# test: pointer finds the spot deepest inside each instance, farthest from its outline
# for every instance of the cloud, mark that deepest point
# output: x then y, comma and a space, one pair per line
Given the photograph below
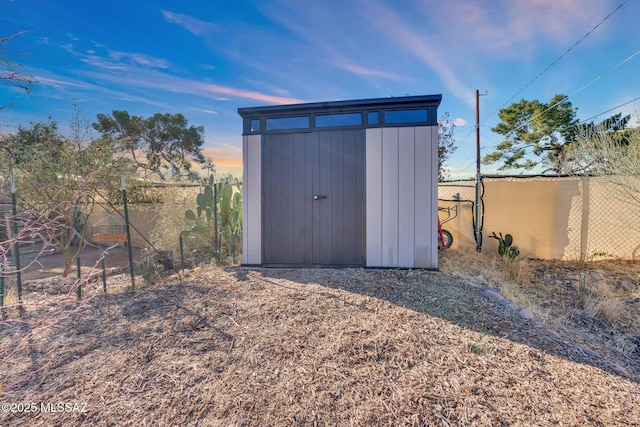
369, 72
61, 83
206, 111
510, 27
555, 19
459, 121
138, 59
66, 87
422, 47
116, 60
239, 93
157, 80
193, 25
102, 63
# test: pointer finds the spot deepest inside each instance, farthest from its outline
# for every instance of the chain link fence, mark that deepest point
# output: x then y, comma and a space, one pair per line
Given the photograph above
567, 218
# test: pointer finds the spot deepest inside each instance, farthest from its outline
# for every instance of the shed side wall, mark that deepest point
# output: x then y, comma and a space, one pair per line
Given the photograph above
401, 188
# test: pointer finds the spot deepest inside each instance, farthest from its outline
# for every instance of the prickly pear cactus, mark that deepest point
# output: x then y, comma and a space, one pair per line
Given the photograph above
505, 250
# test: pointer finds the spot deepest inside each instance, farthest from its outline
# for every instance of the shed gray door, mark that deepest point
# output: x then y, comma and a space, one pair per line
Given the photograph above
313, 209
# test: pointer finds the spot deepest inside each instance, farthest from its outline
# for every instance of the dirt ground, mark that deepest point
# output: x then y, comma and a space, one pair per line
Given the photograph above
243, 347
39, 265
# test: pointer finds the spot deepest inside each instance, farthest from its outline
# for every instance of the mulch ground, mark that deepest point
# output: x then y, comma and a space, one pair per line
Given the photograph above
276, 347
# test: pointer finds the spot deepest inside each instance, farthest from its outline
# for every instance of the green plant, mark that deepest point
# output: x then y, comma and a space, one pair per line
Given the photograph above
231, 216
200, 238
169, 219
597, 255
210, 235
483, 344
149, 271
206, 204
505, 248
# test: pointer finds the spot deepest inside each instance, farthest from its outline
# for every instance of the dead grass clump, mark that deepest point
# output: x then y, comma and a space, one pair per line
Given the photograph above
490, 266
556, 290
519, 271
612, 310
10, 296
472, 263
513, 278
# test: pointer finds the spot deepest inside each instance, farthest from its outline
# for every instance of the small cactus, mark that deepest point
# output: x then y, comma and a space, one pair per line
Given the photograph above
505, 250
205, 203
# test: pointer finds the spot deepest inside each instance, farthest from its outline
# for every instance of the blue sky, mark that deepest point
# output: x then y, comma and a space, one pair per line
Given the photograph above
205, 59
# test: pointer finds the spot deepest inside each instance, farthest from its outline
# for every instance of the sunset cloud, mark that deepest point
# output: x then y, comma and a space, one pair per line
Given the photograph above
226, 158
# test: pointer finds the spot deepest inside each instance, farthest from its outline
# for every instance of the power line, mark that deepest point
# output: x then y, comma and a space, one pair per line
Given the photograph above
459, 144
559, 58
609, 110
580, 90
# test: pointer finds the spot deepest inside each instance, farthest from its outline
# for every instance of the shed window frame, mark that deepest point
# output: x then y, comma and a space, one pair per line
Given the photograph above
386, 115
285, 127
331, 116
252, 128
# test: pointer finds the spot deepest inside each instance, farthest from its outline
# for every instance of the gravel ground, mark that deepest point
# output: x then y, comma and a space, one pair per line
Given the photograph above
235, 346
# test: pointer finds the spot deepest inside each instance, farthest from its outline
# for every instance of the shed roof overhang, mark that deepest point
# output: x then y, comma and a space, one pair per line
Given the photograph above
342, 106
312, 109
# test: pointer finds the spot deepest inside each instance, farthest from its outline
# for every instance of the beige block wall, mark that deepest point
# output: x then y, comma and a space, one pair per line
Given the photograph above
549, 218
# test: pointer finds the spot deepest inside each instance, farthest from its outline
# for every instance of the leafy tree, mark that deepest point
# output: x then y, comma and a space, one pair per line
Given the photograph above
173, 144
446, 144
19, 147
534, 128
166, 140
124, 131
60, 177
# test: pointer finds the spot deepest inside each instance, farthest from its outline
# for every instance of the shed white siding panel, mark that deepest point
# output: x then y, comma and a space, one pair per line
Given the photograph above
373, 186
252, 195
406, 197
426, 209
390, 197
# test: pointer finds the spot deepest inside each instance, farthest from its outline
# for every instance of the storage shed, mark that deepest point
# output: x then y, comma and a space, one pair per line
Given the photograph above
343, 183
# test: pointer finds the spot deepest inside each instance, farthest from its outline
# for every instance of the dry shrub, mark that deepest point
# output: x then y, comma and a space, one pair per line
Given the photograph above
10, 296
470, 262
623, 344
601, 289
491, 266
612, 310
512, 278
520, 271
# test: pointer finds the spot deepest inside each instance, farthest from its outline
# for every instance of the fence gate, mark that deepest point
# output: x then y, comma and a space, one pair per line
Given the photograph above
313, 188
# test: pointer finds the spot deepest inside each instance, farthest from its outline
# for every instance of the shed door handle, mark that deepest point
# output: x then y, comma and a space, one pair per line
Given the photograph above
318, 197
